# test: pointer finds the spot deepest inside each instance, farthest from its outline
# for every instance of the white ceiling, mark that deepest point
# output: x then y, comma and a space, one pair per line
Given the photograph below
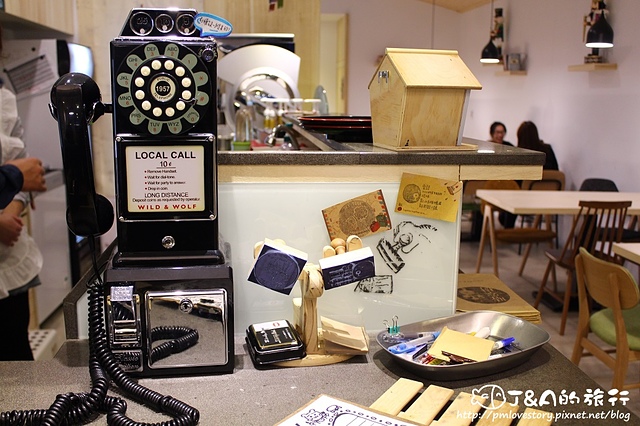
459, 5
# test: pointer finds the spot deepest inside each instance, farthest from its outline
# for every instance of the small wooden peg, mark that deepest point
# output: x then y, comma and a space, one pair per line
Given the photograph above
328, 251
256, 248
337, 242
354, 243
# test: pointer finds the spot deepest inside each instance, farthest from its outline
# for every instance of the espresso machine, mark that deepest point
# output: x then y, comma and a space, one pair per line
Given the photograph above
168, 289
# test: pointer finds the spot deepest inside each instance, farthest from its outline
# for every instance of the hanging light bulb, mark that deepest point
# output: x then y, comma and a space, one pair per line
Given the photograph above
600, 35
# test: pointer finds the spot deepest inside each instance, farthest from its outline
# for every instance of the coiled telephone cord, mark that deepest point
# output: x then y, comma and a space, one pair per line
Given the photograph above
81, 408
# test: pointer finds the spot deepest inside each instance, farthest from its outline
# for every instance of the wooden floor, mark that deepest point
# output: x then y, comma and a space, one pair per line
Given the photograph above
509, 262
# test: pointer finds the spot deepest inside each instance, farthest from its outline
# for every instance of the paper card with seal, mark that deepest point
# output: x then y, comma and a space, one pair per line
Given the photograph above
361, 216
429, 197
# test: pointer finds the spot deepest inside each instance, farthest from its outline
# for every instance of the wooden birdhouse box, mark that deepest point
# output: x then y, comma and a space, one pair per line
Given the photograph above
419, 99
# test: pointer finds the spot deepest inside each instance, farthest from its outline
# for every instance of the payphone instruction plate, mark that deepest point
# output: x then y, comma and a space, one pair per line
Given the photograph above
165, 178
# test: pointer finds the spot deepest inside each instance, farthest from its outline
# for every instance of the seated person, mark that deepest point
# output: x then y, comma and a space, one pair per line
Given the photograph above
498, 131
528, 138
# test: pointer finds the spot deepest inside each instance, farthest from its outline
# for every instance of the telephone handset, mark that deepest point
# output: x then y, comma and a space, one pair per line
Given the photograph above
76, 102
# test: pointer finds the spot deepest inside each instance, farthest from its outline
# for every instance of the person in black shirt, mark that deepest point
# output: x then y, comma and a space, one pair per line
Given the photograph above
528, 138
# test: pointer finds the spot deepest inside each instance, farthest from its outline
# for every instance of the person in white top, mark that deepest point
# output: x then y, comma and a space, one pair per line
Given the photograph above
20, 258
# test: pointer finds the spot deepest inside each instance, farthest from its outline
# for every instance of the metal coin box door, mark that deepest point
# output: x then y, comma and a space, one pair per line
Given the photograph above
168, 289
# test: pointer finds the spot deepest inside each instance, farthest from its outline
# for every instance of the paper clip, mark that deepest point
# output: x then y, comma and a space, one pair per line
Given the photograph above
393, 330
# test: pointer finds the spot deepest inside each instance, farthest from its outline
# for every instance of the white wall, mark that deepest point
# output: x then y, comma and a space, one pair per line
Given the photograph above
590, 118
377, 24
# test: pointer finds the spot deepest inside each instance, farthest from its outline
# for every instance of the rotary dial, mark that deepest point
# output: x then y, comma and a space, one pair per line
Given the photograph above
166, 85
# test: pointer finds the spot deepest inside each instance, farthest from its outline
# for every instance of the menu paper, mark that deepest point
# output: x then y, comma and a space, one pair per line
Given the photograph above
429, 197
328, 410
165, 179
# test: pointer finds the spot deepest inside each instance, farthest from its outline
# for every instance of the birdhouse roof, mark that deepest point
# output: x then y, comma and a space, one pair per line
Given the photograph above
430, 68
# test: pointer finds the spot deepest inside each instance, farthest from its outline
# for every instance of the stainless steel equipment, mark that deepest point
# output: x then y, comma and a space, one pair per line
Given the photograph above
529, 338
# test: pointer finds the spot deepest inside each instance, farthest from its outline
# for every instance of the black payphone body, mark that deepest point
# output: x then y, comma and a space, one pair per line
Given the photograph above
168, 289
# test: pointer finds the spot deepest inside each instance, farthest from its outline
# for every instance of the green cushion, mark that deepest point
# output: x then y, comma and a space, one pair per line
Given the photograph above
603, 326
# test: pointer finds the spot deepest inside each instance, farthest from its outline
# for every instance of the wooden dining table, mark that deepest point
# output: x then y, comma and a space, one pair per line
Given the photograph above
554, 202
629, 251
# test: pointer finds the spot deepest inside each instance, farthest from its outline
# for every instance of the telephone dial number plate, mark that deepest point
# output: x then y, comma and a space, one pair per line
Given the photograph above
166, 86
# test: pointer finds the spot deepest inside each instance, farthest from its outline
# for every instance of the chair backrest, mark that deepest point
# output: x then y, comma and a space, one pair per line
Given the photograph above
598, 184
600, 277
596, 227
469, 190
501, 184
552, 180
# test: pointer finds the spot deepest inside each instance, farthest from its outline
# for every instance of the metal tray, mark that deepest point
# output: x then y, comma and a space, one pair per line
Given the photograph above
529, 338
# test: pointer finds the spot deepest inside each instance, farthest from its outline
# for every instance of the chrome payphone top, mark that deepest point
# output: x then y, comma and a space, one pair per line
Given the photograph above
164, 123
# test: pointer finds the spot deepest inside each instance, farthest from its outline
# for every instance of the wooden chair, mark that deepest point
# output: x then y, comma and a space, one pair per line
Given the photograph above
526, 235
618, 324
631, 232
596, 227
552, 180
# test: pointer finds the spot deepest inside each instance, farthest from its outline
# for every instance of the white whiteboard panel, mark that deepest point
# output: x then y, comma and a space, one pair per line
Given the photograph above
424, 288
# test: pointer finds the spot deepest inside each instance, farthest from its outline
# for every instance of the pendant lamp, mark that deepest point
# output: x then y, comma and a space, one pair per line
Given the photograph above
490, 53
600, 35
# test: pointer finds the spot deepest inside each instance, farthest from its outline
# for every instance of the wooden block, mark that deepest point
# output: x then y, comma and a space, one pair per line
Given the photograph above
502, 416
428, 405
461, 411
397, 396
533, 417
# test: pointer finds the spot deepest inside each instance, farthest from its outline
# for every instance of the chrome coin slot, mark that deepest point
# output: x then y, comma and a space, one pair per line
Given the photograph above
164, 23
185, 24
141, 23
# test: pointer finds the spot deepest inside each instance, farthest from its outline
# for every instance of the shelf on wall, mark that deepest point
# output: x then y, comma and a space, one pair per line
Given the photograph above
593, 67
511, 72
15, 27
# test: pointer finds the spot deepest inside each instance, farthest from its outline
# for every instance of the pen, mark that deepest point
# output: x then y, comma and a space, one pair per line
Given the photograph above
504, 342
411, 345
412, 335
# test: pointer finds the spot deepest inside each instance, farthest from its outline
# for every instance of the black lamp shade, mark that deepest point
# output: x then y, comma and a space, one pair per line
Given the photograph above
490, 54
600, 34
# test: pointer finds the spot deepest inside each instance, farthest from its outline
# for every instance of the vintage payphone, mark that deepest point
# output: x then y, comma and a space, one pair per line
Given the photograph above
168, 289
